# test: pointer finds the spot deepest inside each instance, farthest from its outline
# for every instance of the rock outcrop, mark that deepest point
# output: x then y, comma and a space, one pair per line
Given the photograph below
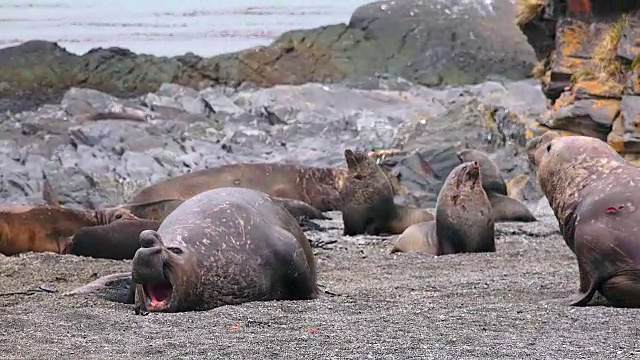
100, 161
428, 42
590, 74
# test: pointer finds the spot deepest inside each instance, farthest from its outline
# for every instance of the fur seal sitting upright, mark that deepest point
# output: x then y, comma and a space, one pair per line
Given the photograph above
504, 208
595, 195
221, 247
464, 221
368, 200
318, 187
42, 228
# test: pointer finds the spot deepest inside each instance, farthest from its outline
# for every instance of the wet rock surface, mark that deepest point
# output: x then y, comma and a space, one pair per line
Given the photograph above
428, 42
98, 163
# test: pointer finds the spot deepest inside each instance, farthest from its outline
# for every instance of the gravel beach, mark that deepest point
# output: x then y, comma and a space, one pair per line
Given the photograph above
508, 304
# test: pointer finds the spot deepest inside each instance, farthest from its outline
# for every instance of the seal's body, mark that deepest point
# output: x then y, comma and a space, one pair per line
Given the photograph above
504, 208
464, 220
221, 247
318, 187
44, 228
368, 200
594, 193
118, 240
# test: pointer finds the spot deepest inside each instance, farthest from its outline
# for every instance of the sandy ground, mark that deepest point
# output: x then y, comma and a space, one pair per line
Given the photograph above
508, 304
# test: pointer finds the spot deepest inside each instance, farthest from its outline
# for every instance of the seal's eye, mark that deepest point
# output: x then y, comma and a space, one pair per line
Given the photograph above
118, 216
548, 147
358, 177
175, 250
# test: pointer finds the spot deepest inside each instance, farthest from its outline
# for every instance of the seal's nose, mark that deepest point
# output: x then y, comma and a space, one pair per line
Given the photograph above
149, 239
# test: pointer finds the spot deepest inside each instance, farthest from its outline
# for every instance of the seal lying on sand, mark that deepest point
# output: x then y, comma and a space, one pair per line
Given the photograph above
504, 208
118, 240
222, 247
595, 195
464, 221
41, 228
158, 209
318, 187
368, 200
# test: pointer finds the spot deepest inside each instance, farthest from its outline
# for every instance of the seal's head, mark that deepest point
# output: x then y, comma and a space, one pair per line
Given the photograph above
367, 195
467, 176
109, 215
166, 277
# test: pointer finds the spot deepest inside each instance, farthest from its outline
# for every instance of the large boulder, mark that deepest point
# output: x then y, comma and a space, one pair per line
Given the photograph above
428, 42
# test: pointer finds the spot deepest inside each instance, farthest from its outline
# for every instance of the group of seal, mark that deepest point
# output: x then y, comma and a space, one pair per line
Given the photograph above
223, 246
595, 195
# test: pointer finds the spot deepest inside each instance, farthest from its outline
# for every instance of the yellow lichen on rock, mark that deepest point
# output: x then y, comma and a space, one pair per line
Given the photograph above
607, 68
526, 10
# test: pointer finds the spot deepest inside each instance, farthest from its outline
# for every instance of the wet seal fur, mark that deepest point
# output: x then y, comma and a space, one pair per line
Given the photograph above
42, 228
368, 200
318, 187
464, 221
594, 193
504, 207
221, 247
118, 240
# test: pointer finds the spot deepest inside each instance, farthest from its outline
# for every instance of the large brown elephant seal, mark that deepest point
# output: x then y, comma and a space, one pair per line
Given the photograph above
118, 240
504, 207
464, 221
42, 228
221, 247
594, 193
318, 187
368, 200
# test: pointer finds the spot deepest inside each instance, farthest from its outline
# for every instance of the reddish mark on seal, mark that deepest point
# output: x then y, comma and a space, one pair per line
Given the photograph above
313, 331
612, 209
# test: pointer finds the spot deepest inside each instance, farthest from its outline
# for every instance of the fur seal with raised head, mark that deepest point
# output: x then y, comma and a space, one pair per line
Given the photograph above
42, 228
221, 247
464, 220
504, 207
595, 195
368, 194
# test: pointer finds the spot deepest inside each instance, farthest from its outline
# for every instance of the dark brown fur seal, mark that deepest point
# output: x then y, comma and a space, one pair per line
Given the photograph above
222, 247
504, 207
594, 193
368, 200
41, 228
464, 221
318, 187
118, 240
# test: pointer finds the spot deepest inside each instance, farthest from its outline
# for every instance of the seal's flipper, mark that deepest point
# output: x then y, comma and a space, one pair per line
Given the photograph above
586, 298
299, 208
505, 208
322, 293
116, 287
48, 194
308, 225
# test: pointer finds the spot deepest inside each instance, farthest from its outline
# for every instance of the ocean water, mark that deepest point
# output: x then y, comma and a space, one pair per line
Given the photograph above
164, 27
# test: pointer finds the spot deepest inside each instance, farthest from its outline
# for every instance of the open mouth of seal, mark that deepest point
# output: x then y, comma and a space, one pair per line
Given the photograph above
158, 294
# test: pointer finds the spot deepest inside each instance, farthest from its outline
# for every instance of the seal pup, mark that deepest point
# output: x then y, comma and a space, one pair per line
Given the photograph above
464, 221
42, 228
316, 186
368, 200
222, 247
595, 195
118, 240
504, 207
